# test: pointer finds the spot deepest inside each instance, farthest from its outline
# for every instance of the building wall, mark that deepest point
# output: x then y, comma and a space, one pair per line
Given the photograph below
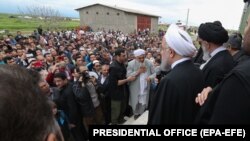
130, 23
126, 22
154, 24
107, 18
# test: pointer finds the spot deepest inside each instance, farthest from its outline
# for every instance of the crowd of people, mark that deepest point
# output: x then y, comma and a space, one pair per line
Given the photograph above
85, 74
87, 78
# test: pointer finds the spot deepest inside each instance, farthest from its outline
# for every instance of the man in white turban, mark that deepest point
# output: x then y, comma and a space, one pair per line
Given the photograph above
173, 102
139, 89
139, 52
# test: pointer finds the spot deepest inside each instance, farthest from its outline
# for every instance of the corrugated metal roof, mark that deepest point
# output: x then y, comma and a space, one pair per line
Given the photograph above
121, 9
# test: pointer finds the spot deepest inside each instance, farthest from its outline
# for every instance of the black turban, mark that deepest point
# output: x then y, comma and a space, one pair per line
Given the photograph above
213, 32
246, 0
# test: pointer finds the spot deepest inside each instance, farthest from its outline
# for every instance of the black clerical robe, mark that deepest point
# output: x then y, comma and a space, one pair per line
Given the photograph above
229, 102
239, 57
217, 68
174, 100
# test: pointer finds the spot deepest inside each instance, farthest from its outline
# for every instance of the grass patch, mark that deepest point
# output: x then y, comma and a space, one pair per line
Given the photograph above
12, 23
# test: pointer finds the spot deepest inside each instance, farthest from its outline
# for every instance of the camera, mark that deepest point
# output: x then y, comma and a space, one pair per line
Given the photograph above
85, 75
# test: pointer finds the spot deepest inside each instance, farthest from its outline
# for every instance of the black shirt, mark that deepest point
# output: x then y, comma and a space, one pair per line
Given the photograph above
117, 72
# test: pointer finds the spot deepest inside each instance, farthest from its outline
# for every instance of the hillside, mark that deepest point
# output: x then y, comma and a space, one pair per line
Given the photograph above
12, 23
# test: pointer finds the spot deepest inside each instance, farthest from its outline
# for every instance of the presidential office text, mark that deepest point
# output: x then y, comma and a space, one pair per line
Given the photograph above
169, 132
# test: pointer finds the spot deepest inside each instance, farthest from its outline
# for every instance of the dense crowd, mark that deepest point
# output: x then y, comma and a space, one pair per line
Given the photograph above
82, 59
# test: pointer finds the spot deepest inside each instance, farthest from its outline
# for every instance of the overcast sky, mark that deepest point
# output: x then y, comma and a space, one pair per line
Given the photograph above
227, 11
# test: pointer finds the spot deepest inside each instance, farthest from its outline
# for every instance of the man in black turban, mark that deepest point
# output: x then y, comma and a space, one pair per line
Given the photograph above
229, 101
219, 62
213, 32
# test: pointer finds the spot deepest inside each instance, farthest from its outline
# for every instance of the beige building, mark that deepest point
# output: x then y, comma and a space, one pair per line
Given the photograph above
99, 16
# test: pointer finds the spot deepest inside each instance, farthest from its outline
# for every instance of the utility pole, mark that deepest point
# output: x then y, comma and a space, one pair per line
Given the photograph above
187, 18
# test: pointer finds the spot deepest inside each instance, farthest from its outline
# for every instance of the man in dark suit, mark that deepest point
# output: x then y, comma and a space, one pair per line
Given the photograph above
218, 60
67, 102
102, 89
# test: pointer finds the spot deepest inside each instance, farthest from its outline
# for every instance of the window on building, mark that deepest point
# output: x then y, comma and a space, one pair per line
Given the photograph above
118, 14
107, 13
97, 13
87, 12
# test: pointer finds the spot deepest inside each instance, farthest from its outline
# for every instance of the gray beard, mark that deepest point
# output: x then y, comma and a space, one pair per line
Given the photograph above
164, 65
206, 55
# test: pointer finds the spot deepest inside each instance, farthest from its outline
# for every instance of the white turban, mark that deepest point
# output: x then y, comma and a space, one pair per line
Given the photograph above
180, 41
93, 74
139, 52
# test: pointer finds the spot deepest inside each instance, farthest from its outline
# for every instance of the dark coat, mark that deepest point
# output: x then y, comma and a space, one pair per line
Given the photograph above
84, 100
229, 102
102, 88
67, 102
216, 69
173, 102
240, 57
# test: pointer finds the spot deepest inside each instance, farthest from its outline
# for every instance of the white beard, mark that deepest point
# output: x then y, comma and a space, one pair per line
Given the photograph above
206, 54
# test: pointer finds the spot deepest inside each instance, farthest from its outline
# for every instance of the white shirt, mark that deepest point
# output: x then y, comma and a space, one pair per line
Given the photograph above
217, 50
103, 78
178, 62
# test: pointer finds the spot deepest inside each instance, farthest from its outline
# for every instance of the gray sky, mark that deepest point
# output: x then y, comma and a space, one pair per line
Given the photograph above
227, 11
